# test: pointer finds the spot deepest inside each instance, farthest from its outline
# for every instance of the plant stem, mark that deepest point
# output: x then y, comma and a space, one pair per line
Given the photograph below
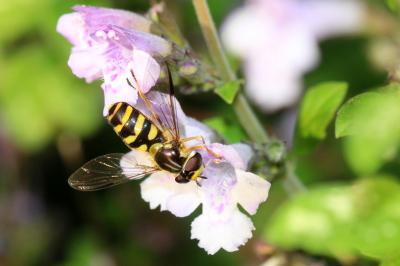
244, 112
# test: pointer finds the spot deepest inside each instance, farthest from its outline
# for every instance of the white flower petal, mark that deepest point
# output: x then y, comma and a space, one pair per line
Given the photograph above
137, 158
97, 17
155, 190
160, 189
282, 43
184, 203
145, 69
86, 63
118, 91
332, 17
194, 128
250, 190
222, 231
272, 89
235, 33
72, 27
231, 154
246, 153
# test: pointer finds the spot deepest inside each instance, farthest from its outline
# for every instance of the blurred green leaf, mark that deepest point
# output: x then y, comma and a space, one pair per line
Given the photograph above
44, 99
371, 121
229, 90
391, 262
83, 250
317, 221
19, 17
377, 230
393, 5
318, 108
229, 130
342, 220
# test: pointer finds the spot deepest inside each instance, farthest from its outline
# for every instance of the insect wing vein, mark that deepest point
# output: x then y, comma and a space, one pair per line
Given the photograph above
105, 171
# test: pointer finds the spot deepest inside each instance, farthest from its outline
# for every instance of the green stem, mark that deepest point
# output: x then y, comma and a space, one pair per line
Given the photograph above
245, 114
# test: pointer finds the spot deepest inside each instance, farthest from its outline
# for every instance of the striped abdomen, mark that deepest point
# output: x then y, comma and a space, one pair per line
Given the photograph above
135, 130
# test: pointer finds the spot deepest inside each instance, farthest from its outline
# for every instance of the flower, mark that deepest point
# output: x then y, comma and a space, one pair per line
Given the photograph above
278, 41
109, 43
228, 184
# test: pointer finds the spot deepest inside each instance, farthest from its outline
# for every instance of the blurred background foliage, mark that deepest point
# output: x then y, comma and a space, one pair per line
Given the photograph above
51, 122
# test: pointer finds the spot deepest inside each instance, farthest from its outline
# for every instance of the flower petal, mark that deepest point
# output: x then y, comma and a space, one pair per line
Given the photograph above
123, 94
235, 33
272, 89
195, 128
136, 157
149, 43
246, 153
230, 153
160, 189
228, 233
86, 63
72, 27
332, 17
146, 70
250, 190
96, 17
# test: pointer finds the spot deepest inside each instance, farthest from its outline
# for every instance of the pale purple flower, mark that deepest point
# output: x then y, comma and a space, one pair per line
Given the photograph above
228, 184
278, 41
108, 43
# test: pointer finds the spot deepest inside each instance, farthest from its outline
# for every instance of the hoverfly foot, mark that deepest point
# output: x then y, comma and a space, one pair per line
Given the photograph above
217, 161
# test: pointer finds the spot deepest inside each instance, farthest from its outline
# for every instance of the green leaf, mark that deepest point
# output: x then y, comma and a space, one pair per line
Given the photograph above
377, 231
393, 5
229, 130
229, 90
83, 250
342, 220
391, 262
370, 120
317, 221
50, 100
318, 108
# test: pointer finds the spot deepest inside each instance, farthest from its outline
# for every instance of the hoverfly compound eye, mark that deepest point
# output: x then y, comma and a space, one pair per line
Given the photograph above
194, 163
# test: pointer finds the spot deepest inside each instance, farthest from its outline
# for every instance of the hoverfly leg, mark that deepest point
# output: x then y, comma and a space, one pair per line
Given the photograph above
217, 161
198, 183
202, 146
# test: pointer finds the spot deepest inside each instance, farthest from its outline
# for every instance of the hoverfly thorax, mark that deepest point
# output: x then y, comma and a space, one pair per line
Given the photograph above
168, 157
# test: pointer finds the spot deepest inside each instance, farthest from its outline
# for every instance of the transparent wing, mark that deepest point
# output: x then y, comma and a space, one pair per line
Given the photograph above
159, 107
106, 171
165, 104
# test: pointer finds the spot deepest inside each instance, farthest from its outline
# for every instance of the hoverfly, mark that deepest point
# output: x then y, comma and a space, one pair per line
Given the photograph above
159, 138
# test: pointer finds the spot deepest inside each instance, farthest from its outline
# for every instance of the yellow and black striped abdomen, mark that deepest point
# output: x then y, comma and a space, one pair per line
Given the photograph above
135, 129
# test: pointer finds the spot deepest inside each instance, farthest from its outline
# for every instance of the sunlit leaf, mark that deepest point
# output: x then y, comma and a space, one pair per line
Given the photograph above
318, 108
391, 262
377, 231
83, 250
317, 221
229, 130
371, 122
43, 100
229, 90
342, 220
